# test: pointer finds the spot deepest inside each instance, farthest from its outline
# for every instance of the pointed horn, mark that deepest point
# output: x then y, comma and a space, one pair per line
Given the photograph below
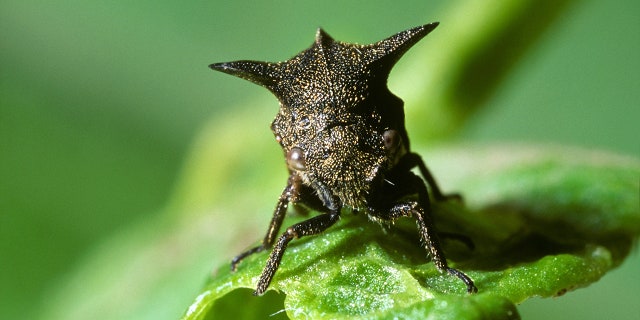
323, 39
262, 73
392, 48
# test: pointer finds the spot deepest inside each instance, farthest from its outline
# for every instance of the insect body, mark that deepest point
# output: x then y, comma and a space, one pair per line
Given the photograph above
344, 140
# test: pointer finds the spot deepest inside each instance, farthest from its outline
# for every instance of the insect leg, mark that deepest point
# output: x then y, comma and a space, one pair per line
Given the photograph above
413, 160
274, 226
309, 227
430, 239
432, 245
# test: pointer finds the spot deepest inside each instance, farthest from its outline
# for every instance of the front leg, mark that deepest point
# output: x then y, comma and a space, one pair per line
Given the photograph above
421, 211
279, 213
309, 227
430, 239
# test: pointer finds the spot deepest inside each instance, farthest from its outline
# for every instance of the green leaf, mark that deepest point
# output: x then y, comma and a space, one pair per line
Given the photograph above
543, 222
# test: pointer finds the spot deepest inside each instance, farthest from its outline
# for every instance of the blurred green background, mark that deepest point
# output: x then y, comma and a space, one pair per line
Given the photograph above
100, 102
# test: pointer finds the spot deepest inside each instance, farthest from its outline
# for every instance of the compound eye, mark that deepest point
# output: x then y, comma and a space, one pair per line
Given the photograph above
391, 139
295, 159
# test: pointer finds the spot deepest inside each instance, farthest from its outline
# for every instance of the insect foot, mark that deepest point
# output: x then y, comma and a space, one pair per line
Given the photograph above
345, 143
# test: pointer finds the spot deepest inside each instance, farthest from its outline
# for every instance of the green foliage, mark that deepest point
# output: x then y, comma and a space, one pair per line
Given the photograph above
100, 100
543, 223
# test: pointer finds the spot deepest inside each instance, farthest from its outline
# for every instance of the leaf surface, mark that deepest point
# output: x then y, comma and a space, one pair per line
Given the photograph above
543, 223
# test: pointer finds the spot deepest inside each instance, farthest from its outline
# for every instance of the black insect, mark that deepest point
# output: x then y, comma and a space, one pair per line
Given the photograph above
345, 143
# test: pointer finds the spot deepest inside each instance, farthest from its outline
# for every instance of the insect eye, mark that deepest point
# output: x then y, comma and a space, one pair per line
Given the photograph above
391, 139
295, 159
